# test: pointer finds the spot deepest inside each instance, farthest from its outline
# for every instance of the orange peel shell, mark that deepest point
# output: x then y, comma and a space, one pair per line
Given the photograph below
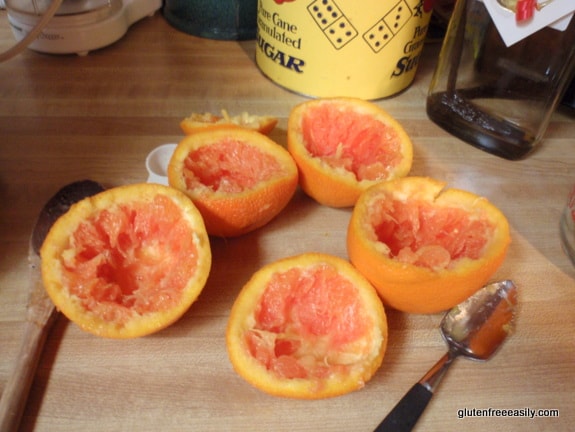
419, 289
351, 363
197, 122
360, 145
227, 155
109, 266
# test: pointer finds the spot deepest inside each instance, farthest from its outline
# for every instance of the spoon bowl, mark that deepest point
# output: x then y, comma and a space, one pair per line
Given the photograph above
474, 329
477, 327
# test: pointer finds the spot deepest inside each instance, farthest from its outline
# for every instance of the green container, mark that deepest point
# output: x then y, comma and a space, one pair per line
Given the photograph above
213, 19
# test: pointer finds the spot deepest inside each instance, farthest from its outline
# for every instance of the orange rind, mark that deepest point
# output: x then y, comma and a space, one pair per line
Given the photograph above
308, 327
196, 122
239, 179
342, 146
426, 248
128, 261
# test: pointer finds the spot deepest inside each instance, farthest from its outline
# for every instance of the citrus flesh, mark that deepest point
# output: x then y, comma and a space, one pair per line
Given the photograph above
307, 327
239, 179
196, 122
127, 262
344, 145
426, 248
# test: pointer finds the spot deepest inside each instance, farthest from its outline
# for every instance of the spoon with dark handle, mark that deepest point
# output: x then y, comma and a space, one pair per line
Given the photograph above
40, 311
473, 329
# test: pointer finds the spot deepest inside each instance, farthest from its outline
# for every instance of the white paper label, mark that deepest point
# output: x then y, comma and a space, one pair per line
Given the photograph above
554, 13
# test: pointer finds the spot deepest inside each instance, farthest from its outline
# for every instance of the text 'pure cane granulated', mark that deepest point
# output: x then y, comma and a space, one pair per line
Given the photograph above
326, 48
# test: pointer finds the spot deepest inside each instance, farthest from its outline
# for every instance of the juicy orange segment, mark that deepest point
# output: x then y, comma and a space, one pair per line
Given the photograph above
200, 121
344, 145
239, 179
309, 327
127, 262
426, 248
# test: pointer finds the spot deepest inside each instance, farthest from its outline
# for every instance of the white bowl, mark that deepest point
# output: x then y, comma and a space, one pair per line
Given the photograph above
157, 163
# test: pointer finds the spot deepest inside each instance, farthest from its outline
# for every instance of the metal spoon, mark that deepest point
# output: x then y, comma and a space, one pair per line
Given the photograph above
41, 312
473, 329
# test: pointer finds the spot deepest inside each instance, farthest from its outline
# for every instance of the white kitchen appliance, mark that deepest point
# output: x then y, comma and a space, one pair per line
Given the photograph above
78, 26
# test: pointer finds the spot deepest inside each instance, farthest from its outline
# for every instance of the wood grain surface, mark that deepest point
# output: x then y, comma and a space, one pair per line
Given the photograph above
65, 118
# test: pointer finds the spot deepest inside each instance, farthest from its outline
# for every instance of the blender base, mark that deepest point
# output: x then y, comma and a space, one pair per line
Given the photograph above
72, 34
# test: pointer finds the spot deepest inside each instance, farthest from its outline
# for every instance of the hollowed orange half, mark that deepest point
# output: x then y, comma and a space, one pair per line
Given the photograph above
342, 146
424, 247
127, 262
309, 326
197, 122
239, 179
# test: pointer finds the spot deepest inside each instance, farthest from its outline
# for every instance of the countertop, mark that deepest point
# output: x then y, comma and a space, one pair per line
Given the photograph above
66, 118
